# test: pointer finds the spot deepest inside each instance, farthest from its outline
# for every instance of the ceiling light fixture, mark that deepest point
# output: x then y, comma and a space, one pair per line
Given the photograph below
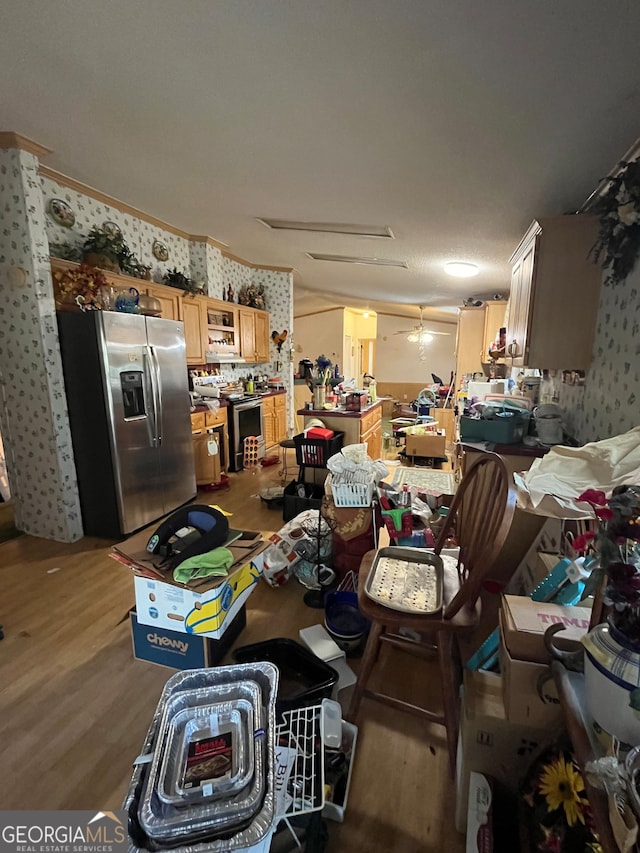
461, 269
328, 227
352, 259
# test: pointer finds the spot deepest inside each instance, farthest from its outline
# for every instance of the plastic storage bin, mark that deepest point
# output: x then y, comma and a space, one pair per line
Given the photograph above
304, 678
314, 452
294, 503
500, 430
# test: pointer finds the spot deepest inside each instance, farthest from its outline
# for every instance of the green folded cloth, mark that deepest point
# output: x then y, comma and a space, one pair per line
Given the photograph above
211, 564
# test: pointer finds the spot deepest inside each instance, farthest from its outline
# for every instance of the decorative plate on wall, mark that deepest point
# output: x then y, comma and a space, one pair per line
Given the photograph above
160, 250
61, 212
112, 229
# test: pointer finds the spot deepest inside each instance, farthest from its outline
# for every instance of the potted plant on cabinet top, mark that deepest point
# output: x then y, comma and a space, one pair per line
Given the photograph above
104, 250
175, 278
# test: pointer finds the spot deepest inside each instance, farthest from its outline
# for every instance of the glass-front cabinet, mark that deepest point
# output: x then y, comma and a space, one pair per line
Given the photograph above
222, 328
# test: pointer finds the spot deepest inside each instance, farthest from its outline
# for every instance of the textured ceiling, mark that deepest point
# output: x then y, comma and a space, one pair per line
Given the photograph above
454, 122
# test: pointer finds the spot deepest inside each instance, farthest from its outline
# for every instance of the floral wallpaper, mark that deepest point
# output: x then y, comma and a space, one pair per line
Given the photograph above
609, 402
279, 297
33, 418
139, 234
198, 262
235, 274
215, 276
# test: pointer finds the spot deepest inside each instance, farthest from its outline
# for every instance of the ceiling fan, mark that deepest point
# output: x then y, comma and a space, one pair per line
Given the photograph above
419, 334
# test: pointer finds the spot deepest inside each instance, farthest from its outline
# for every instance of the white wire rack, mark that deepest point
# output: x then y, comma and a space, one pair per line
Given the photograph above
302, 731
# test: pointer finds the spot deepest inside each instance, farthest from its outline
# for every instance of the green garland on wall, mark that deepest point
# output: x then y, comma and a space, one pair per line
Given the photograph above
618, 209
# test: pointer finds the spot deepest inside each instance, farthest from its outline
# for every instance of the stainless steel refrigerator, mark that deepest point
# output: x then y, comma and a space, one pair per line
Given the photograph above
127, 391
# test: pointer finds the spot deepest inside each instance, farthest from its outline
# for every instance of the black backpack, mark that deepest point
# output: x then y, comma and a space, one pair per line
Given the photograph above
210, 530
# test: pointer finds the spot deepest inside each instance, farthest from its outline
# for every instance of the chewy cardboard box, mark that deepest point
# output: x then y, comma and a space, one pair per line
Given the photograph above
182, 651
201, 608
522, 701
524, 622
488, 742
425, 443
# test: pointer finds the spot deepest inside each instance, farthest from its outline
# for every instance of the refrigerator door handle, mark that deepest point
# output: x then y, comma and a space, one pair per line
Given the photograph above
158, 397
152, 416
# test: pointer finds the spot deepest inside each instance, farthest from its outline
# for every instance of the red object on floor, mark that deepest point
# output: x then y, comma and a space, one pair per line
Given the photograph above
214, 487
270, 460
319, 432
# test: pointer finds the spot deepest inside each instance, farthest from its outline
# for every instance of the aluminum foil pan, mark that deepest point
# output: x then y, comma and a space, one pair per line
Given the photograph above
264, 821
186, 727
164, 822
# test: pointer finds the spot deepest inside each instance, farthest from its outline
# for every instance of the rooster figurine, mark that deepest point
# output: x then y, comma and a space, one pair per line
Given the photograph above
279, 338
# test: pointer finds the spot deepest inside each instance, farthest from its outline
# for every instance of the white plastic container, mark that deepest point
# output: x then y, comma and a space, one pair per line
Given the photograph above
335, 811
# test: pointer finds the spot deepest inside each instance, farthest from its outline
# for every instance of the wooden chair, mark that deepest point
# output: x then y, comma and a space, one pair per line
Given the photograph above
480, 517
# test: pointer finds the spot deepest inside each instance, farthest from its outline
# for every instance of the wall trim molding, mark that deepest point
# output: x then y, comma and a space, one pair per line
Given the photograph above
210, 241
227, 254
10, 139
123, 207
98, 195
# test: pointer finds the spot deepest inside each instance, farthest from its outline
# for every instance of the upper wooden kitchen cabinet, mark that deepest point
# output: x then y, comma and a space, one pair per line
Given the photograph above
168, 297
469, 342
494, 317
554, 295
274, 414
193, 313
254, 334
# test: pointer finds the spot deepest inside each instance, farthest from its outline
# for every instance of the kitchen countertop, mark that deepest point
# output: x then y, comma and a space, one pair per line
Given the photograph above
201, 407
339, 413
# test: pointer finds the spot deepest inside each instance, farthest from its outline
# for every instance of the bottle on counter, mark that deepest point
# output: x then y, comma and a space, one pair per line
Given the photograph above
404, 498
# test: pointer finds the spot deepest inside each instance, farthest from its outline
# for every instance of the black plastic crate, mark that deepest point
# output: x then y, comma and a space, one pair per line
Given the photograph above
314, 452
294, 503
304, 678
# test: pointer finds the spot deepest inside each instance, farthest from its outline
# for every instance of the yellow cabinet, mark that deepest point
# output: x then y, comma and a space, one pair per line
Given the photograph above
261, 321
554, 295
373, 439
254, 334
469, 342
194, 316
168, 297
494, 319
274, 414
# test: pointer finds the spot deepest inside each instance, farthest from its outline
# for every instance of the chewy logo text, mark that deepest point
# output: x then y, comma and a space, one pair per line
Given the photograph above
179, 645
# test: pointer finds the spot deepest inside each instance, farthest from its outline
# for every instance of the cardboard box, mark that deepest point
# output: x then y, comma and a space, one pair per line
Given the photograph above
200, 608
182, 651
480, 814
532, 571
524, 622
428, 444
522, 701
488, 742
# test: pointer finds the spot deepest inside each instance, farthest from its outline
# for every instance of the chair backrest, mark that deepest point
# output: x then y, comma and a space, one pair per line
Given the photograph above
480, 518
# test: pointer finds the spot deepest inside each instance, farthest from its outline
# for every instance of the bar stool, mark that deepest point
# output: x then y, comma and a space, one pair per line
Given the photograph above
285, 444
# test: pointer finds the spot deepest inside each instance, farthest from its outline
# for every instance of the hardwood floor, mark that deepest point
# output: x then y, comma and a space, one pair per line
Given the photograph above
75, 705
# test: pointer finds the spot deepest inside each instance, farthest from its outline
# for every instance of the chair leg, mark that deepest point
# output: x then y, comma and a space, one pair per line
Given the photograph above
450, 676
368, 661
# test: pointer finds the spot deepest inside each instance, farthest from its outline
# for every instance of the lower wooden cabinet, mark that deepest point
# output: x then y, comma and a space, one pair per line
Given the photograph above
205, 426
373, 439
274, 414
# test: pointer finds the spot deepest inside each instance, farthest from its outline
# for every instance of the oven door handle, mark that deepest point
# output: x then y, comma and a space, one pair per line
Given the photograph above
242, 407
